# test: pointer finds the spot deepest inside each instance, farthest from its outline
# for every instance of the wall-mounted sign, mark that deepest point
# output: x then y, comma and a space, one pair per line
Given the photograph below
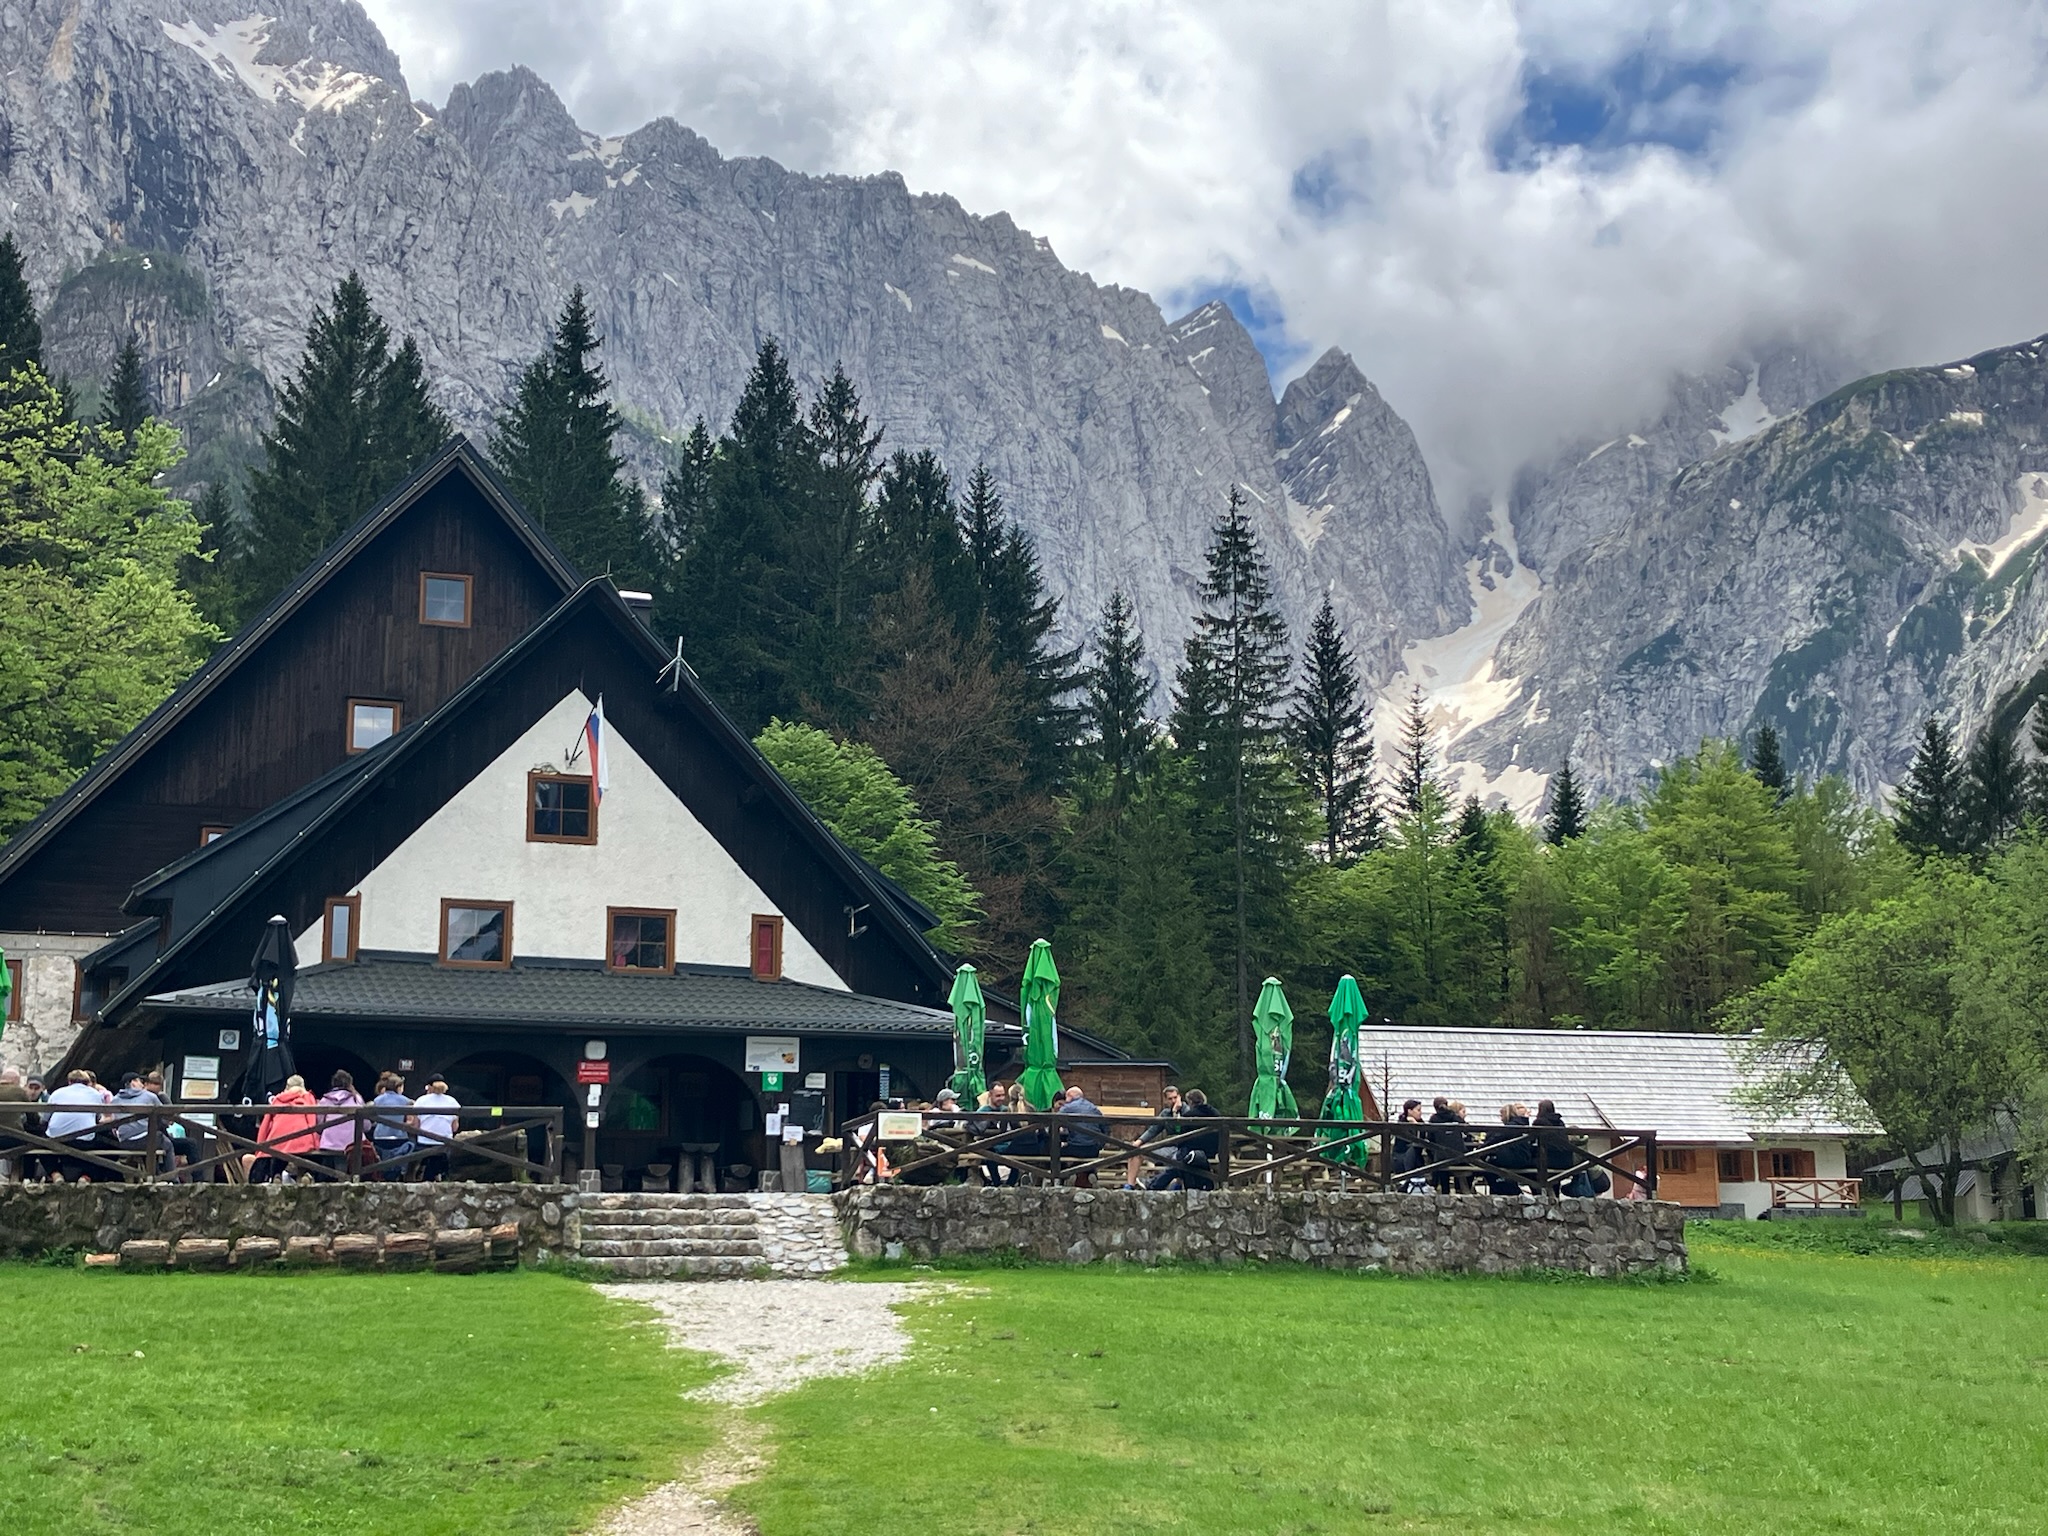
593, 1071
590, 1119
199, 1088
899, 1125
814, 1079
230, 1040
593, 1050
201, 1066
771, 1082
772, 1053
594, 1095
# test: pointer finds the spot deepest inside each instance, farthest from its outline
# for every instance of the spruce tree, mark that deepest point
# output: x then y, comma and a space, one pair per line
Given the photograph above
1119, 699
1767, 762
555, 448
1994, 789
1330, 730
1415, 782
1567, 817
1229, 722
917, 527
21, 334
126, 404
351, 424
832, 552
1929, 814
208, 572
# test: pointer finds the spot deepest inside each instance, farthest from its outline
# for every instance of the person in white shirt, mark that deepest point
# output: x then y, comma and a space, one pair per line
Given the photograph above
433, 1128
75, 1126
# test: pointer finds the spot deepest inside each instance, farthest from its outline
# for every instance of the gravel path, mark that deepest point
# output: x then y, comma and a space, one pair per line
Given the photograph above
780, 1334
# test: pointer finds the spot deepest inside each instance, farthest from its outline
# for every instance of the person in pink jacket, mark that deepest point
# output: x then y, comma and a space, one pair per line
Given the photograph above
338, 1133
293, 1134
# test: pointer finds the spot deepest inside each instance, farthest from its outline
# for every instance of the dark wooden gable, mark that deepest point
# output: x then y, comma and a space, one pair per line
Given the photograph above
591, 642
267, 714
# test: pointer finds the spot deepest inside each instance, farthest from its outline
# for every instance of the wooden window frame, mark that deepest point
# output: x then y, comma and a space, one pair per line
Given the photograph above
441, 950
1742, 1159
348, 722
1801, 1157
213, 831
539, 777
468, 599
17, 973
77, 993
770, 922
1679, 1160
354, 906
613, 914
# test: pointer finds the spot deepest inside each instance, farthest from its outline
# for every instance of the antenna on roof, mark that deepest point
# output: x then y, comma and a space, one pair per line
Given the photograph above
674, 669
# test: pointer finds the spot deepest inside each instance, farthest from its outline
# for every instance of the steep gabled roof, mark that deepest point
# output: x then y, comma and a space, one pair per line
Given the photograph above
457, 456
225, 873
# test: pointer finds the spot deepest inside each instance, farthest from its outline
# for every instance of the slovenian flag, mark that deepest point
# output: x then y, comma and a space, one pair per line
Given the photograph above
594, 745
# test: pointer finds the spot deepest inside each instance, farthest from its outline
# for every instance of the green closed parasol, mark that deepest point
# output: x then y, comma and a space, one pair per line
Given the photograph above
1342, 1102
1040, 1081
970, 1016
1273, 1039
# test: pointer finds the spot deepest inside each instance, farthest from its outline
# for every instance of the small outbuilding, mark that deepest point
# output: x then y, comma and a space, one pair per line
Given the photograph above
1715, 1154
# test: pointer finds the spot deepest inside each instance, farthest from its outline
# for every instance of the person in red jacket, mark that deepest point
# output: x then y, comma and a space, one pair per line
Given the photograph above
295, 1134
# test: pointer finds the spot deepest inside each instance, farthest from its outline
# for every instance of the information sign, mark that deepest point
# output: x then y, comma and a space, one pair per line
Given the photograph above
593, 1071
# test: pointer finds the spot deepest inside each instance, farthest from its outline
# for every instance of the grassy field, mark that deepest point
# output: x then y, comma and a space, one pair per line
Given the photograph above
1806, 1385
176, 1404
1796, 1390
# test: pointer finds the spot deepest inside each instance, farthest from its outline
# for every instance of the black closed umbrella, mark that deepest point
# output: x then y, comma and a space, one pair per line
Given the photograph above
272, 975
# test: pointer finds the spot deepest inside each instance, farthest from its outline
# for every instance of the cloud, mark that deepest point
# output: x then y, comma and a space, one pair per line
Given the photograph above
1521, 219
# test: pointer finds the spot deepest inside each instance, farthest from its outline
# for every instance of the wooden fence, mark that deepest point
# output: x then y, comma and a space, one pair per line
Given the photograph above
1218, 1152
213, 1142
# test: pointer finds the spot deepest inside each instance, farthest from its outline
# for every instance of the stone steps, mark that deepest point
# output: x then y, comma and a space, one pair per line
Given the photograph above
672, 1236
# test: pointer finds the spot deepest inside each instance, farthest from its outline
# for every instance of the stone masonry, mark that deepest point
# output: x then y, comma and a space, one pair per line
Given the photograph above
1405, 1234
710, 1237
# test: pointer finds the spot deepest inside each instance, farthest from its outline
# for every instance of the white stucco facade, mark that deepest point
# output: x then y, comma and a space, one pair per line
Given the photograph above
650, 852
1830, 1161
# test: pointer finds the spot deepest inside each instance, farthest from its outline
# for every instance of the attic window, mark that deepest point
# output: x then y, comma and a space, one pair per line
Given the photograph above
476, 933
765, 956
211, 832
370, 721
560, 809
338, 934
444, 600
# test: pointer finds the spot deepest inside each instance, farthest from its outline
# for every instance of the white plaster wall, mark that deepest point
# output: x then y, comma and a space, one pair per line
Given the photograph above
650, 852
49, 964
1830, 1161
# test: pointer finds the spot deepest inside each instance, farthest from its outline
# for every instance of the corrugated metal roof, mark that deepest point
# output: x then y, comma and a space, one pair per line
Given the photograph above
1680, 1086
559, 994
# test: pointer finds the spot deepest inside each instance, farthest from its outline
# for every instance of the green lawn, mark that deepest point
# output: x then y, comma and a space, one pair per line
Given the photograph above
1795, 1391
363, 1404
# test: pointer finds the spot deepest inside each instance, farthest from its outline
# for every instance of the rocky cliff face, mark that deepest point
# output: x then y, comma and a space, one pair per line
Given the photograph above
252, 159
1843, 574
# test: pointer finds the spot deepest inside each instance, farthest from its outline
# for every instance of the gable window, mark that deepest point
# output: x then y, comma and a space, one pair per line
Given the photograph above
369, 722
212, 832
444, 599
477, 933
14, 991
765, 956
560, 809
642, 939
338, 932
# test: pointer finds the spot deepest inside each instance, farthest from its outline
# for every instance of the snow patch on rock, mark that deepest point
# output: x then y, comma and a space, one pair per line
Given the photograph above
233, 50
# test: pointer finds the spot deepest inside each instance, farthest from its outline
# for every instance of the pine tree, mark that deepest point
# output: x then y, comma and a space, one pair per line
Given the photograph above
1929, 813
126, 404
1022, 620
1229, 722
21, 334
1994, 789
1415, 782
555, 447
1330, 730
1767, 762
1119, 699
351, 424
1567, 818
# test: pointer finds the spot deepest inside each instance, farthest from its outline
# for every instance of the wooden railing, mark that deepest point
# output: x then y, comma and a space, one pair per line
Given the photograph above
1218, 1152
1816, 1194
135, 1143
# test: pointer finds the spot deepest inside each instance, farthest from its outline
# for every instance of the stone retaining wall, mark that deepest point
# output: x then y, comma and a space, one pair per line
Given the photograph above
1406, 1234
36, 1218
